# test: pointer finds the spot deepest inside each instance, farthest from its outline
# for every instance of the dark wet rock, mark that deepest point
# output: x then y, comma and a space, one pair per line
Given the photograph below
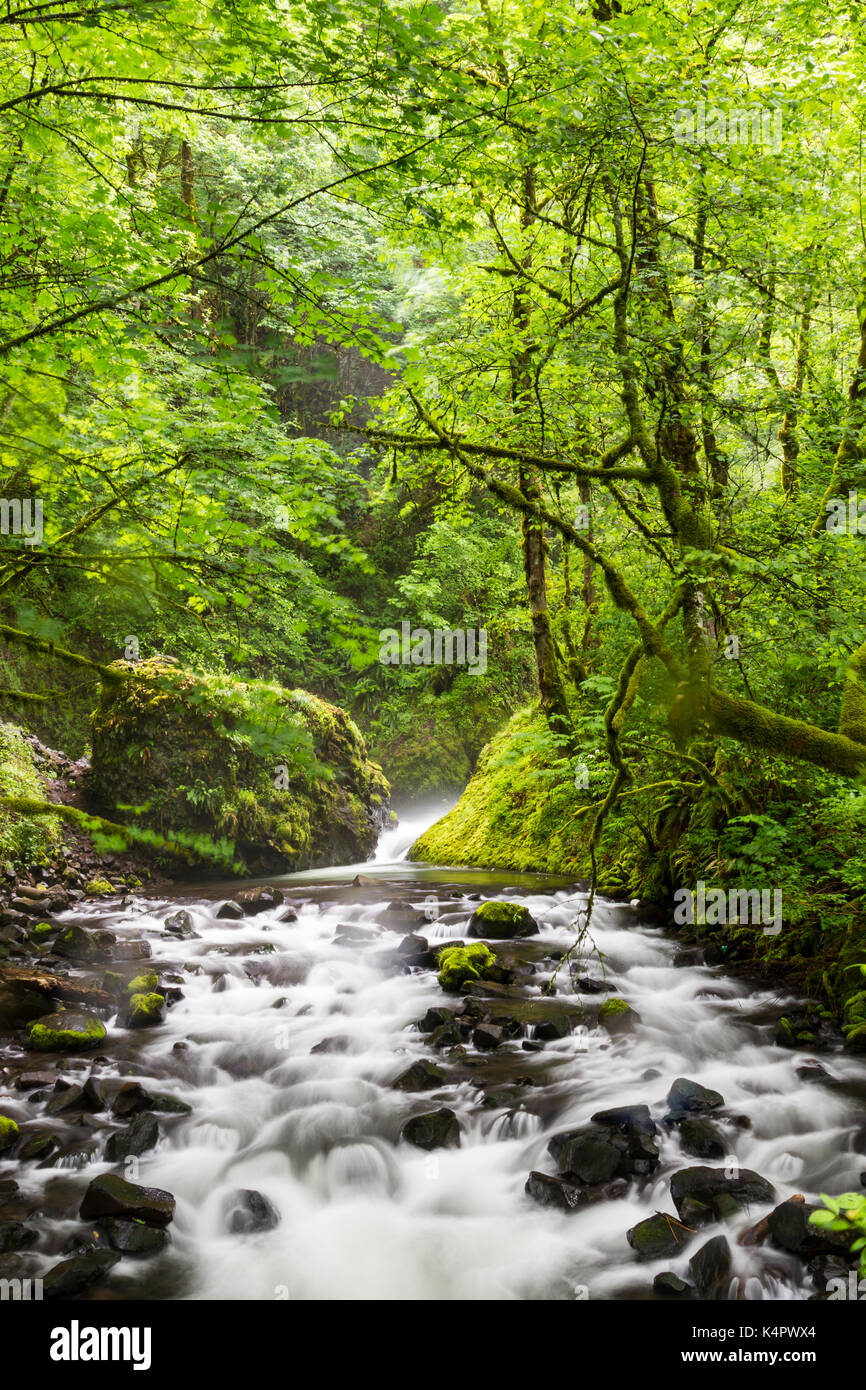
501, 921
131, 950
437, 1129
651, 1074
701, 1138
658, 1236
76, 944
628, 1119
421, 1076
435, 1018
714, 953
141, 1134
550, 1029
83, 1097
703, 1184
39, 1146
690, 1097
180, 924
586, 984
553, 1192
823, 1268
131, 1099
488, 1036
413, 945
790, 1229
695, 1213
711, 1268
247, 1212
110, 1195
449, 1035
15, 1235
588, 1154
130, 1237
256, 900
670, 1285
686, 959
73, 1276
231, 911
33, 1080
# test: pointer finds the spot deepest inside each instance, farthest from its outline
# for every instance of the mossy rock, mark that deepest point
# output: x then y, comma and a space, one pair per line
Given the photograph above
855, 1038
24, 840
502, 921
617, 1016
144, 1010
278, 779
458, 965
99, 888
42, 930
73, 1030
143, 984
8, 1132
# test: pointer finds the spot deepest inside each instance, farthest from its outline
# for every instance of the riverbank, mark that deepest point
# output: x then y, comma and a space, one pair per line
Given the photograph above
729, 822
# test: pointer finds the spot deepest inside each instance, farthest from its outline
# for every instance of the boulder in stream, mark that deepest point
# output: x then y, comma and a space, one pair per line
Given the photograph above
437, 1129
502, 921
110, 1195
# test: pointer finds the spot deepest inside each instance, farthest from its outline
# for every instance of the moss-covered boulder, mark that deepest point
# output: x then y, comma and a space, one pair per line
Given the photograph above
501, 921
616, 1016
8, 1132
144, 1010
458, 965
24, 840
72, 1030
99, 888
279, 774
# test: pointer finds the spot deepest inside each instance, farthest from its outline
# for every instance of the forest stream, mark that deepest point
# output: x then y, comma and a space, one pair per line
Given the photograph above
285, 1039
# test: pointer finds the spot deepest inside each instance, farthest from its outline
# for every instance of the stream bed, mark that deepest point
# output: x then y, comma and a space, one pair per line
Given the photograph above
285, 1040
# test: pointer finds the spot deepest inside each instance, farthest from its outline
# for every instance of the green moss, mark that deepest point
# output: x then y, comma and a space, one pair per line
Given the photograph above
8, 1132
460, 964
145, 1010
24, 840
614, 1006
99, 888
143, 984
281, 775
53, 1037
515, 814
113, 982
42, 930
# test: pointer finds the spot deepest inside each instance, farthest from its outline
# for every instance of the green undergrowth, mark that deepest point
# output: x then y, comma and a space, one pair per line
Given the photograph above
25, 840
718, 815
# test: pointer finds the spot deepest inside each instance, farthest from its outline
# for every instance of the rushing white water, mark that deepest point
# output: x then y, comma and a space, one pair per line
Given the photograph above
365, 1216
395, 843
